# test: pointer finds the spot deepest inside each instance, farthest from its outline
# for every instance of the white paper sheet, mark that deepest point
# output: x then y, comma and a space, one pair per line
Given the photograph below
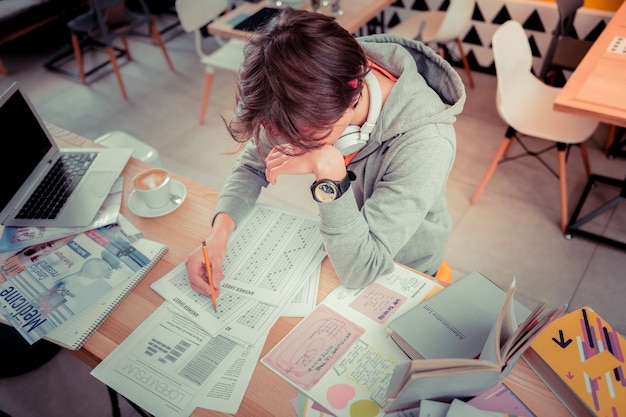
271, 255
305, 299
341, 355
169, 366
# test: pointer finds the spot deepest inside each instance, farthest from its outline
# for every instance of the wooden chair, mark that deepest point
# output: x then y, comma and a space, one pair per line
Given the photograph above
106, 22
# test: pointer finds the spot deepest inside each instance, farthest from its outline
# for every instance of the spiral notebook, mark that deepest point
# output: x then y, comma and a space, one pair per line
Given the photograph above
76, 331
66, 294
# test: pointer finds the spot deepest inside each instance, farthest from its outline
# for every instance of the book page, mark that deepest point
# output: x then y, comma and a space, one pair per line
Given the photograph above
430, 408
508, 340
502, 329
305, 300
538, 319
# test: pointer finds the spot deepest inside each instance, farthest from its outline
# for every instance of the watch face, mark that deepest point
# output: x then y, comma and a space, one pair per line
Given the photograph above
325, 192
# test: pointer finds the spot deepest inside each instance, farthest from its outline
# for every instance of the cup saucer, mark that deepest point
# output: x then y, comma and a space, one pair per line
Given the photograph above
138, 207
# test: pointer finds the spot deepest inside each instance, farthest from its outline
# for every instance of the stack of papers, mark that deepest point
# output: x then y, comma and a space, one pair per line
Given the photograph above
273, 258
341, 355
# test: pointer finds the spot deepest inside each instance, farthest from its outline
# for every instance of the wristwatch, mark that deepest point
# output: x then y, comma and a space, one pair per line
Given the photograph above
325, 191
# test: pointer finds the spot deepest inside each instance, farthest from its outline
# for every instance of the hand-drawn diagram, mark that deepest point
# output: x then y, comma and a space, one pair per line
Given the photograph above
311, 349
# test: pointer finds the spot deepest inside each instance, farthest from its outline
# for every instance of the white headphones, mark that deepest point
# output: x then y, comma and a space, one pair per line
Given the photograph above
355, 137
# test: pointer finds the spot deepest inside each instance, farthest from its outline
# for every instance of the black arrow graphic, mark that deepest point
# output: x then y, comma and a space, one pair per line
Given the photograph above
563, 343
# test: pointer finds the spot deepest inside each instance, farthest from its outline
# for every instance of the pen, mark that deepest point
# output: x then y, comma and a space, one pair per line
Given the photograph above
207, 265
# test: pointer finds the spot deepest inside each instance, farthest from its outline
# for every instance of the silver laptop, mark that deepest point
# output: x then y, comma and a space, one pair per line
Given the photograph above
31, 165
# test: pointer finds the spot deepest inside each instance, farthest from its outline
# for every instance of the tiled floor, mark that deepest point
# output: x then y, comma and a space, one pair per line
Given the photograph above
513, 231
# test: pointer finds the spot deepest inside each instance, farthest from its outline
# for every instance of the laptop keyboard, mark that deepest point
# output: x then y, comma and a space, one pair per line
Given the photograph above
50, 196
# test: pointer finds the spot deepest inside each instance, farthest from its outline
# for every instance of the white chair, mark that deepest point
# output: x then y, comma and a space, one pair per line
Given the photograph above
440, 28
525, 103
196, 14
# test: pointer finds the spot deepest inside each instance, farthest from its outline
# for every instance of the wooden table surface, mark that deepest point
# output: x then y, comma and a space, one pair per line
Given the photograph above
356, 14
597, 88
182, 231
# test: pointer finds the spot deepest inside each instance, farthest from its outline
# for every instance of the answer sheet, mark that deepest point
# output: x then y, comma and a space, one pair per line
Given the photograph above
238, 317
270, 257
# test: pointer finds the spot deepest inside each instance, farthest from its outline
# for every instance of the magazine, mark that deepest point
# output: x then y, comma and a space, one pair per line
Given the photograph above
19, 237
50, 283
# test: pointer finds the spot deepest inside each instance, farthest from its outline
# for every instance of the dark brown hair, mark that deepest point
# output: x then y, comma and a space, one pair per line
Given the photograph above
297, 79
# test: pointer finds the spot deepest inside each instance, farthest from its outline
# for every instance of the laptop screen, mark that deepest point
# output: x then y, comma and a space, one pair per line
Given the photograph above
258, 19
23, 142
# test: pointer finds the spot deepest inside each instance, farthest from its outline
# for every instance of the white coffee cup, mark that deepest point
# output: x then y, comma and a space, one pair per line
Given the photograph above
152, 186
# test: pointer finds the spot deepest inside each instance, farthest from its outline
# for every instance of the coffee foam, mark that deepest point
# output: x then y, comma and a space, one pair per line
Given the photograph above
150, 180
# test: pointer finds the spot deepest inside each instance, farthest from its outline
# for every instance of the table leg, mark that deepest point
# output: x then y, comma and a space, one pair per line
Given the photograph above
573, 227
618, 145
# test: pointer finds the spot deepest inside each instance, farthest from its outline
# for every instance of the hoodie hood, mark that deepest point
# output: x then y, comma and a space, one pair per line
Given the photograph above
432, 88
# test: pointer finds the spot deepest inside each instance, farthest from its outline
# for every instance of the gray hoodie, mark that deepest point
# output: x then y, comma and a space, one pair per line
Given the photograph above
395, 210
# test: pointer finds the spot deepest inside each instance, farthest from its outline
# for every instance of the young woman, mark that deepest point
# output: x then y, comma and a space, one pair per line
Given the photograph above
372, 119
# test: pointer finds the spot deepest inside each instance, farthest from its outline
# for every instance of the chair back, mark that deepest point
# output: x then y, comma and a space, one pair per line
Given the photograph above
457, 19
567, 14
194, 14
565, 27
513, 60
114, 19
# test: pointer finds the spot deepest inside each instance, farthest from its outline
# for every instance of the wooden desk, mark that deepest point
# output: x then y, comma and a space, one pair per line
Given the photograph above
356, 14
182, 231
597, 89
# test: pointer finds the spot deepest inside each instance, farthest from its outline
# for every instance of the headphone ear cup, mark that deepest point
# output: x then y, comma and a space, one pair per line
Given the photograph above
354, 138
351, 140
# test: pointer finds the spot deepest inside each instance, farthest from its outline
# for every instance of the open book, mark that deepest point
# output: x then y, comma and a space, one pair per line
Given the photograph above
449, 378
455, 322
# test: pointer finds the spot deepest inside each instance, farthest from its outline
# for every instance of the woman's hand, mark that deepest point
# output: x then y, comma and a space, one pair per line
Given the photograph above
217, 243
324, 162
